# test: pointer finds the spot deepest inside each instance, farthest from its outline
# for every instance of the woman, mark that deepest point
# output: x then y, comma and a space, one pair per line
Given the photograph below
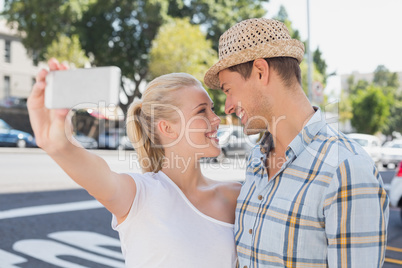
172, 215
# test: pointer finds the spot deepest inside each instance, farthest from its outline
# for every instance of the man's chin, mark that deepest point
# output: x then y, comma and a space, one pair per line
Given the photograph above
251, 130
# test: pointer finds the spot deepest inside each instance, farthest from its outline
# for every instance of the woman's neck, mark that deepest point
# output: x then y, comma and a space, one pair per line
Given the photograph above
184, 171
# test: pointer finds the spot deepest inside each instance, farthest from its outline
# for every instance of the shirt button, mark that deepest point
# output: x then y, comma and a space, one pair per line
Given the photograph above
250, 231
260, 197
245, 266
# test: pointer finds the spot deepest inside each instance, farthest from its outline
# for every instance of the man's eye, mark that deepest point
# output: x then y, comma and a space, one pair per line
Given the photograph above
213, 109
201, 111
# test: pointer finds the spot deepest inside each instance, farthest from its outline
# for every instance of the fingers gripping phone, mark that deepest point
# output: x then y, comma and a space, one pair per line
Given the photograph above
82, 88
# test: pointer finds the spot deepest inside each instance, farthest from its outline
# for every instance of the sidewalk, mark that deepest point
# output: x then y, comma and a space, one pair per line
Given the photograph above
31, 169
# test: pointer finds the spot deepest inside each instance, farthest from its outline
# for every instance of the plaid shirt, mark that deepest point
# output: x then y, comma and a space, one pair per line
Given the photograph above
326, 207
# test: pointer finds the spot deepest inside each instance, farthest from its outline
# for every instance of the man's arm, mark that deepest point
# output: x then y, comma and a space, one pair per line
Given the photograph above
356, 213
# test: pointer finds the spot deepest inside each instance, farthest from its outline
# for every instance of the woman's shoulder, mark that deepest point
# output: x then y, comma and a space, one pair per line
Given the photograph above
146, 179
229, 189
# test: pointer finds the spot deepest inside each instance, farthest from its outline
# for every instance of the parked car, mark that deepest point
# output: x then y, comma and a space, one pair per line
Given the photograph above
391, 154
233, 141
125, 143
395, 191
15, 138
371, 144
110, 139
85, 141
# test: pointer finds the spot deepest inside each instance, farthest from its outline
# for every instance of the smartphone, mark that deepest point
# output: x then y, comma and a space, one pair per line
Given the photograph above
82, 88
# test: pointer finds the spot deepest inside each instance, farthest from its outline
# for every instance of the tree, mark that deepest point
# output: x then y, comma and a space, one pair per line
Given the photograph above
381, 75
345, 108
395, 118
182, 47
67, 49
282, 16
393, 80
320, 64
389, 83
216, 16
317, 76
360, 85
370, 110
121, 32
41, 21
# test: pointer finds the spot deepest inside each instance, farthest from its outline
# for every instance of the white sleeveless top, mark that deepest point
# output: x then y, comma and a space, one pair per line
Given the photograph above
163, 229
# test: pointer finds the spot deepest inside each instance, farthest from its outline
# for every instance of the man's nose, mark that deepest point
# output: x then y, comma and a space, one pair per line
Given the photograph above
229, 107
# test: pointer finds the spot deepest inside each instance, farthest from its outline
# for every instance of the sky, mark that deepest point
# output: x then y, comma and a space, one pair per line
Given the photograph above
353, 35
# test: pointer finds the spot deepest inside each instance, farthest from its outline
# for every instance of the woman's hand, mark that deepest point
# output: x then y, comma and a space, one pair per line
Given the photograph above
52, 128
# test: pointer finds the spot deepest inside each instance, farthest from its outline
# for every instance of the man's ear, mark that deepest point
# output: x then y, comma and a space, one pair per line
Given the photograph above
261, 68
166, 129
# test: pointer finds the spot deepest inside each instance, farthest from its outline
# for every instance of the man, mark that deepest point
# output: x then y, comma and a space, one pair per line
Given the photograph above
312, 197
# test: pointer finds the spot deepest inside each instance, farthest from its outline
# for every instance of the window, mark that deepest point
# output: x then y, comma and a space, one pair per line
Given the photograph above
7, 90
7, 51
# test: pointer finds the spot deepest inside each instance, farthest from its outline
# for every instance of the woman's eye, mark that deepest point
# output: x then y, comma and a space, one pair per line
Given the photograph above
201, 111
213, 109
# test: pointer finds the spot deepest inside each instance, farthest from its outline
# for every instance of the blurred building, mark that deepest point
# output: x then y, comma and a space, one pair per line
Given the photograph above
17, 69
363, 76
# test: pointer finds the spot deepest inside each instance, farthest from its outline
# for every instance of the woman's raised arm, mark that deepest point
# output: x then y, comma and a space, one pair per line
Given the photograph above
53, 133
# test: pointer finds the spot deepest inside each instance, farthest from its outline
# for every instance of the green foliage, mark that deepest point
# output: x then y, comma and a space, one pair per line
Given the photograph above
41, 21
67, 49
121, 32
345, 108
395, 119
216, 16
389, 82
282, 16
182, 47
360, 85
381, 75
370, 110
373, 103
317, 76
393, 81
320, 63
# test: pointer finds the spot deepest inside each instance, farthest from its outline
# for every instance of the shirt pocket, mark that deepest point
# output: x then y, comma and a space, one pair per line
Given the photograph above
283, 224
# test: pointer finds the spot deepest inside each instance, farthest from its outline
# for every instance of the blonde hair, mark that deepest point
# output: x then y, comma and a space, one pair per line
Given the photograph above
142, 117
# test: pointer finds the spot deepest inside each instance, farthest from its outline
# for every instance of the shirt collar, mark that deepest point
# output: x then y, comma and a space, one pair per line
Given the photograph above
302, 140
306, 135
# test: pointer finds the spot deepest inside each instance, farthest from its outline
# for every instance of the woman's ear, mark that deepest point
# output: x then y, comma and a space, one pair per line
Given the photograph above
261, 68
166, 129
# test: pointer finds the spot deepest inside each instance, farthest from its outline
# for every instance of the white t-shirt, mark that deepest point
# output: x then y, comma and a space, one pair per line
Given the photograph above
163, 229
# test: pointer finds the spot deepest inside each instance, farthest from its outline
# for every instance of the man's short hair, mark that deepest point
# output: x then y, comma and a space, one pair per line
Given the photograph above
287, 68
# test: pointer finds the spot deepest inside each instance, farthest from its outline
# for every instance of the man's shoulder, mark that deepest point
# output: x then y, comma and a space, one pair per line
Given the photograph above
337, 146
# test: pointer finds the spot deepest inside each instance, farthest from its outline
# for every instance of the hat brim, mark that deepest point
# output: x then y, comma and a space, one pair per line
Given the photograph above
281, 48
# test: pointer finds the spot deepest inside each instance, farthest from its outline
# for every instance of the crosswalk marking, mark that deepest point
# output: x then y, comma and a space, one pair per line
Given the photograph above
49, 209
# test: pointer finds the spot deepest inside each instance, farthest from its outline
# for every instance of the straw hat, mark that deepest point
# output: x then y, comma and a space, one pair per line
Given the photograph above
253, 39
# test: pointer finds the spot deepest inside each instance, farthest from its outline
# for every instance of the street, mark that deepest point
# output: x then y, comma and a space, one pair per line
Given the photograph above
46, 220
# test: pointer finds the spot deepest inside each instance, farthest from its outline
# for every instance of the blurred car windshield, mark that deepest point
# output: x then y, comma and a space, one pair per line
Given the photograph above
4, 125
362, 142
391, 144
